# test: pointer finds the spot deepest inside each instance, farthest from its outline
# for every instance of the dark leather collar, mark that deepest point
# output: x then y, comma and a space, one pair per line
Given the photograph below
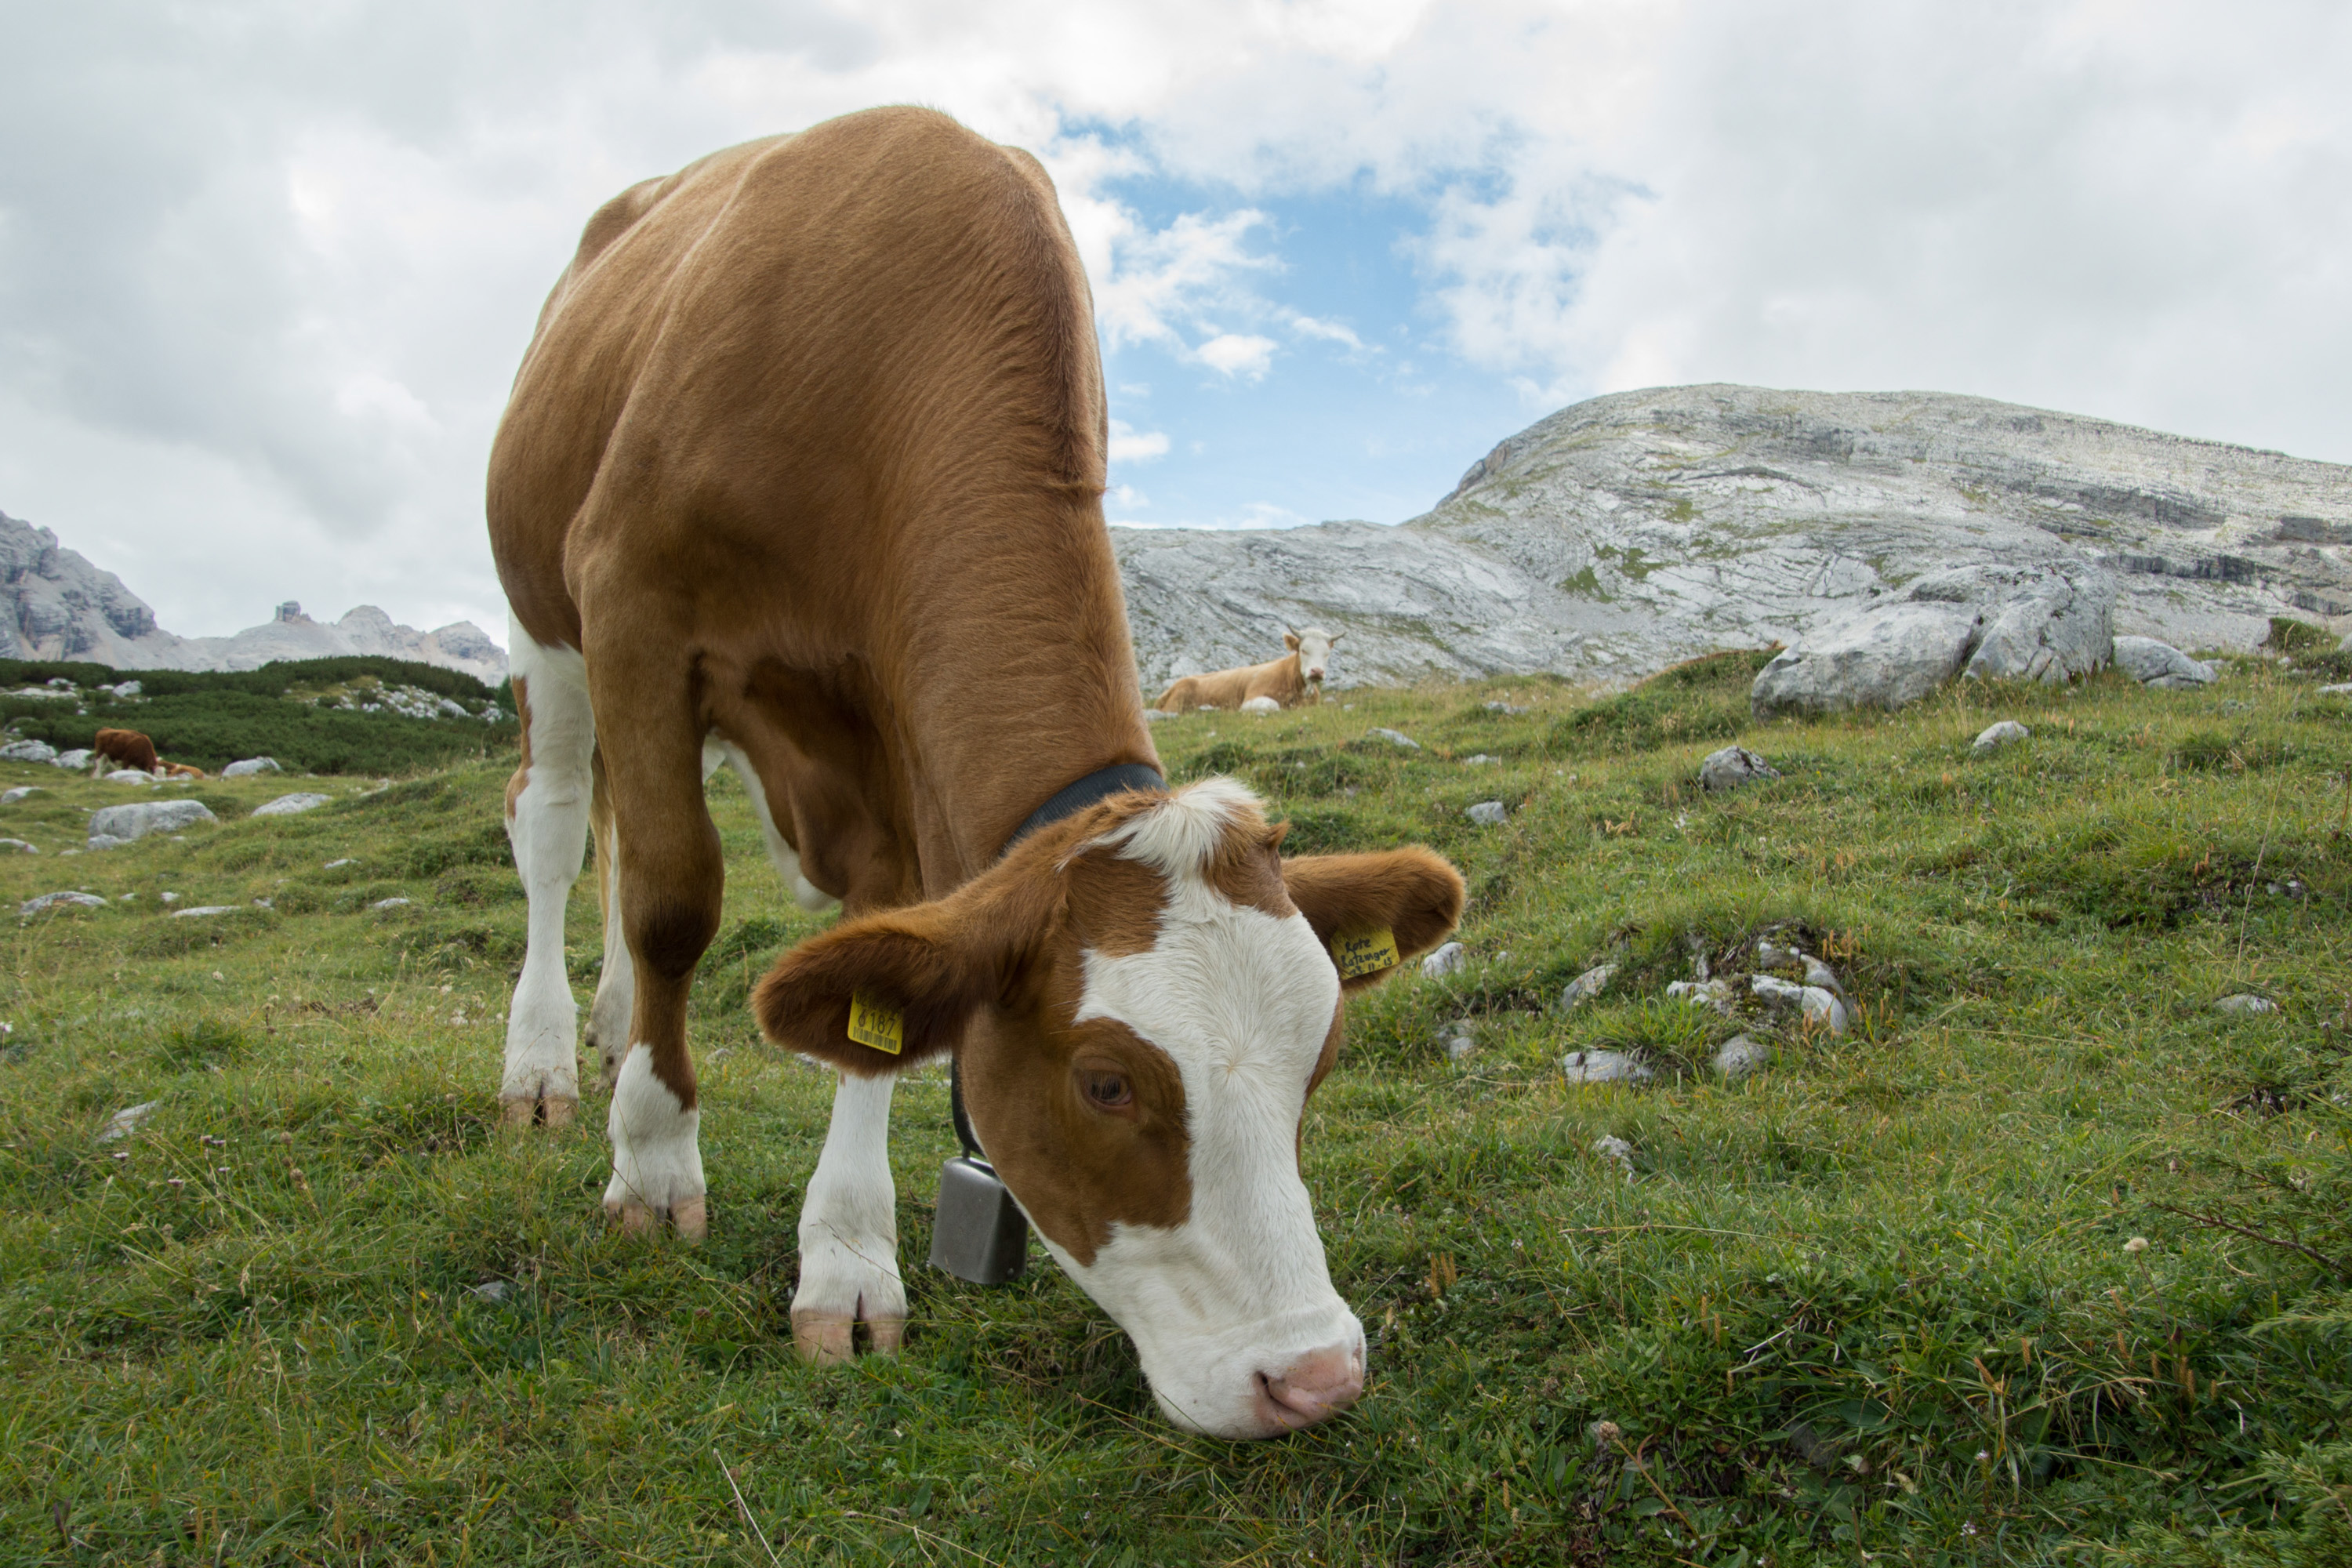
1100, 784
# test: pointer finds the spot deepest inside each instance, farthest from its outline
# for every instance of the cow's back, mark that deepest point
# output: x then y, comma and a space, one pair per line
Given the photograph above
788, 354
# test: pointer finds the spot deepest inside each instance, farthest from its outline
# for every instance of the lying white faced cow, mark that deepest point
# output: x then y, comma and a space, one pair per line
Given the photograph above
1285, 682
802, 473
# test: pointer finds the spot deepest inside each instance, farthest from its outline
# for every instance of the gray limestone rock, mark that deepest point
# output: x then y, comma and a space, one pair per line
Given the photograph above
1620, 1153
249, 766
129, 822
1487, 813
65, 901
10, 797
1817, 1003
28, 751
129, 776
289, 805
2245, 1005
1587, 986
2160, 665
73, 760
1395, 738
103, 841
127, 1120
1631, 530
389, 904
18, 847
1739, 1055
1731, 767
1995, 736
200, 910
1605, 1067
1447, 960
1715, 994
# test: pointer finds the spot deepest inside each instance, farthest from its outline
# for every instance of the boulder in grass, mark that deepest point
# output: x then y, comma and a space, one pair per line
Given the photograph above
290, 804
1731, 767
250, 766
129, 822
1487, 813
73, 761
2160, 665
18, 847
10, 797
28, 751
1605, 1067
1996, 736
1817, 1003
103, 841
130, 776
65, 901
1739, 1055
1395, 738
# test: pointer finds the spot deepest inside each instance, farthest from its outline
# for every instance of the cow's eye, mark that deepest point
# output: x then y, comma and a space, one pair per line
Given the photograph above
1108, 1090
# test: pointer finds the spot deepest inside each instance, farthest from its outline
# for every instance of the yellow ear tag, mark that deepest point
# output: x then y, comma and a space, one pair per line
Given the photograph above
1364, 952
873, 1025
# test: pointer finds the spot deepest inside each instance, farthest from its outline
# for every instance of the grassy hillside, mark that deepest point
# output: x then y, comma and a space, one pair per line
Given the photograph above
356, 715
1884, 1298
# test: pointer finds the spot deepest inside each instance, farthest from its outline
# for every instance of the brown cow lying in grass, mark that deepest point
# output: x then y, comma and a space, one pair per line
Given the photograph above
129, 749
1295, 678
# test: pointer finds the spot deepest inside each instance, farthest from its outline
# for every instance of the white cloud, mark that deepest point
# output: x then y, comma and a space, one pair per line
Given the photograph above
1128, 444
1237, 353
1329, 331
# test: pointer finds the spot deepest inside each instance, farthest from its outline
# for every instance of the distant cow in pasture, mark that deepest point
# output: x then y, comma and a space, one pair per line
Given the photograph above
1297, 677
122, 749
803, 476
178, 770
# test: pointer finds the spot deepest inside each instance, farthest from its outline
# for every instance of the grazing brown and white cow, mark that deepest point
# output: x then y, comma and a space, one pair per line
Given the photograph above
122, 749
1297, 677
803, 474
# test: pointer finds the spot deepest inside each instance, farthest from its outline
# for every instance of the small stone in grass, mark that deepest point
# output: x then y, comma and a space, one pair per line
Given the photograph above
1617, 1148
1587, 986
2245, 1005
1487, 813
388, 904
1604, 1067
1395, 738
1447, 960
1732, 767
1996, 736
1739, 1055
60, 901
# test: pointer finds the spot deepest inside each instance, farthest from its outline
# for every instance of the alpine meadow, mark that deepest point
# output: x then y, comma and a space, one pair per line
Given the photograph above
2044, 1258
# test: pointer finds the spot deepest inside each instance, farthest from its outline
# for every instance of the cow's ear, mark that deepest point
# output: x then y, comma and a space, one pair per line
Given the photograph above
1290, 641
1411, 894
908, 979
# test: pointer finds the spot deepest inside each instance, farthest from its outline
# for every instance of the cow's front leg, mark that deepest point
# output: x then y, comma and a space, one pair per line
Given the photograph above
849, 1231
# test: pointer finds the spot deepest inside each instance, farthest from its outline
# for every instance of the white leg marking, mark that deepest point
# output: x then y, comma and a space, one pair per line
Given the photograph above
780, 855
849, 1230
548, 831
657, 1154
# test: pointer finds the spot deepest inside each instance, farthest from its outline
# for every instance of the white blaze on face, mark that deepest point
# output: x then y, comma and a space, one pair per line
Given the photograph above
1314, 652
1238, 1296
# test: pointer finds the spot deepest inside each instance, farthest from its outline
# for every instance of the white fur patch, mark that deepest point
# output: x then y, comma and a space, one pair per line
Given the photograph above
1177, 836
656, 1148
1241, 1002
548, 831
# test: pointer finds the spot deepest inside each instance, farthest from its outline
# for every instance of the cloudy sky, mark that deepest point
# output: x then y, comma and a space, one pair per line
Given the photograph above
266, 269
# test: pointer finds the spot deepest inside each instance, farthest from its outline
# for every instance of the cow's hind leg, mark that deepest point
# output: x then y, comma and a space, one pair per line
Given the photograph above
849, 1231
547, 823
616, 983
671, 887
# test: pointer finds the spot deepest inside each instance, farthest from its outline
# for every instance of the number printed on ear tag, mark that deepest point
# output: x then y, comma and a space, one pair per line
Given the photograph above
1364, 952
871, 1024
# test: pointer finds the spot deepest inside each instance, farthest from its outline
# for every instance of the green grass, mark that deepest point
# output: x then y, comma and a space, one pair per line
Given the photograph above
1875, 1300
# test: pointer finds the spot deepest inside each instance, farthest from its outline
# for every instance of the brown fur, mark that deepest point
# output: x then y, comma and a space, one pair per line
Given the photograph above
124, 748
808, 451
178, 770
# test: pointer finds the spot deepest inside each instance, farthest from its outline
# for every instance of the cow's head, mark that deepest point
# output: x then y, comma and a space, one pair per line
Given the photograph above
1313, 646
1142, 998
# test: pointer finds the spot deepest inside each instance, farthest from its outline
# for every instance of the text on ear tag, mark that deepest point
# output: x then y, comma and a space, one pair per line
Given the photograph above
883, 1029
1364, 952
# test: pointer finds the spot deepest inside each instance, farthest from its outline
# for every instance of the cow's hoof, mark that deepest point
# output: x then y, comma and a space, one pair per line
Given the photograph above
690, 1217
549, 1110
829, 1339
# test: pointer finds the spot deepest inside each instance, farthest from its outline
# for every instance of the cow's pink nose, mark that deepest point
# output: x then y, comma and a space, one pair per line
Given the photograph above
1318, 1385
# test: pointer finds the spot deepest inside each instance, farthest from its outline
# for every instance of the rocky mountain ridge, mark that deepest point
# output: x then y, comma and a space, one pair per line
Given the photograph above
54, 605
1631, 530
